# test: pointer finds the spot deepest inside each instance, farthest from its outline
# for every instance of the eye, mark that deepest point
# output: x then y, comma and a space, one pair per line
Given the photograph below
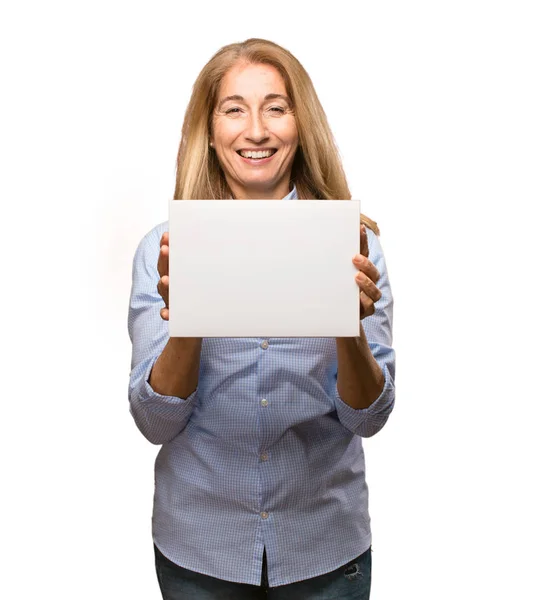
232, 111
277, 109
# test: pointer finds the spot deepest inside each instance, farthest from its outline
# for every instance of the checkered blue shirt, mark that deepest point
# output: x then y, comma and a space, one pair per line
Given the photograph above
264, 452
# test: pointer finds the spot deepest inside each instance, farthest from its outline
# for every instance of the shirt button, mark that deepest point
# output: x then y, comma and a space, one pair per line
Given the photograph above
264, 515
263, 456
265, 344
264, 402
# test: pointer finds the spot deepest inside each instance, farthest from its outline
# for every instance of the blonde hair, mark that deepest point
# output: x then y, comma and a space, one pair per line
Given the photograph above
317, 169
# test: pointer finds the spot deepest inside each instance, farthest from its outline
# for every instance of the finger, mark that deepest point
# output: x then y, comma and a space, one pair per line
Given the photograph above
367, 267
165, 313
162, 264
364, 243
162, 288
367, 286
367, 306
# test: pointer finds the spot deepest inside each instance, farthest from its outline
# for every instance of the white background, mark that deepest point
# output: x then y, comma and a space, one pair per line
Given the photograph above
440, 111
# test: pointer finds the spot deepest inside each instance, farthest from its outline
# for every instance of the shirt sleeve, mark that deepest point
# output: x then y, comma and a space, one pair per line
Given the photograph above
365, 422
159, 418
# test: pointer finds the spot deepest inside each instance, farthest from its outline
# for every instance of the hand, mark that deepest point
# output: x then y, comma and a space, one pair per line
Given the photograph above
162, 267
367, 277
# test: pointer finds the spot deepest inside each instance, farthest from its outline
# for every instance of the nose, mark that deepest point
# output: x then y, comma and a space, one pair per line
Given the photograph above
257, 131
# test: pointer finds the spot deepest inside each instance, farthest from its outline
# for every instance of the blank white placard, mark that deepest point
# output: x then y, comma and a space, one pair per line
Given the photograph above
263, 268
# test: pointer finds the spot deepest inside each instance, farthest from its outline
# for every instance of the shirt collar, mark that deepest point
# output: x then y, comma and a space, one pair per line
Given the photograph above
293, 195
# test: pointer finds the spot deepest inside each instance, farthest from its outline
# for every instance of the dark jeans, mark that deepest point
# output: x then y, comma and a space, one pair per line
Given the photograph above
349, 582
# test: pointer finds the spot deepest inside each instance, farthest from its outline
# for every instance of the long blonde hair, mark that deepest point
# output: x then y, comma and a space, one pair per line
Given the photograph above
317, 169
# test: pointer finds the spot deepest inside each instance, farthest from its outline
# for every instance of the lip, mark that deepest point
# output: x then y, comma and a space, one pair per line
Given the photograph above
255, 149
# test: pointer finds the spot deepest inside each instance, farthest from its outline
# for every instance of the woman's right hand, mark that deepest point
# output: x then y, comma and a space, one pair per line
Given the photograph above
162, 267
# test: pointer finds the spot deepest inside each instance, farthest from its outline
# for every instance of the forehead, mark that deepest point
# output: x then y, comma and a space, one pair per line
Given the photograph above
251, 80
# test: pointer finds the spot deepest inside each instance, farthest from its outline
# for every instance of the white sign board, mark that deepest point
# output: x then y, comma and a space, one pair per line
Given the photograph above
263, 268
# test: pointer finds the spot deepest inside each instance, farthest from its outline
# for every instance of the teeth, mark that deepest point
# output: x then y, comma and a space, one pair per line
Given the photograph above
252, 154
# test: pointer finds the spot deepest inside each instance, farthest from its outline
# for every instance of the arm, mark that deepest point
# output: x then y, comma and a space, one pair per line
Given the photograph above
164, 374
176, 372
360, 378
366, 364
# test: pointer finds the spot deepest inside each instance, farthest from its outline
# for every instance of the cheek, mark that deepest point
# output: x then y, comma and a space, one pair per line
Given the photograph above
288, 133
226, 133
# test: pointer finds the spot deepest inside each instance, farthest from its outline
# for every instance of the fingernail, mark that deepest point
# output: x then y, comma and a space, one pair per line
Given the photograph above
357, 258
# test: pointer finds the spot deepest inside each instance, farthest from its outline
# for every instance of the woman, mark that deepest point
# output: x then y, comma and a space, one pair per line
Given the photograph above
259, 484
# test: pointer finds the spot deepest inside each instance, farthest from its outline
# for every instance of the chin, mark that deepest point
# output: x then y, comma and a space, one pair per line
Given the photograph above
258, 181
255, 184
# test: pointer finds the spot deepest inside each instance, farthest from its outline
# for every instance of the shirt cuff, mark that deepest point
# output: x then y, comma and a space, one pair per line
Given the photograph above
367, 421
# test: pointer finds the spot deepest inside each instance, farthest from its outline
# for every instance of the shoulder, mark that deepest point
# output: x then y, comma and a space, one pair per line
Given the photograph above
153, 235
375, 248
147, 251
151, 240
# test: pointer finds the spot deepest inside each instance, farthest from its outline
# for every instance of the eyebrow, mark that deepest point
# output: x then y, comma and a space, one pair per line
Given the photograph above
268, 97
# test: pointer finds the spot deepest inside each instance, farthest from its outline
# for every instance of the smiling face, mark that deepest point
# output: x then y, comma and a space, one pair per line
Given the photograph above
254, 132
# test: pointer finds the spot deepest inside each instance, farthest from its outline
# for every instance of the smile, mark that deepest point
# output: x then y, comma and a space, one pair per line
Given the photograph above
257, 153
257, 158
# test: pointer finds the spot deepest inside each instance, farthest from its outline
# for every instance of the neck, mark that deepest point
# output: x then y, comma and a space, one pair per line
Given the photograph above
260, 193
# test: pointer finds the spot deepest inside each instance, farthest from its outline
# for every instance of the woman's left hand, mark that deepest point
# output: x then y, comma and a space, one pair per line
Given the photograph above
367, 278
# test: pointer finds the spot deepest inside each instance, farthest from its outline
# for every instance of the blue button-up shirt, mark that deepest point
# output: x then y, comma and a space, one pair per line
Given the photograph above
264, 453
